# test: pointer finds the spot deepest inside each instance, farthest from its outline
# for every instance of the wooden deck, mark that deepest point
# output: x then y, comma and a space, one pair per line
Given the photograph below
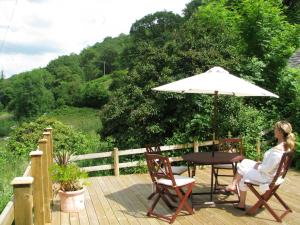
123, 200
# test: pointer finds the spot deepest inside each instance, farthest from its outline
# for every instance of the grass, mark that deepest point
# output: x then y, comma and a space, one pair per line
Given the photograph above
10, 167
86, 120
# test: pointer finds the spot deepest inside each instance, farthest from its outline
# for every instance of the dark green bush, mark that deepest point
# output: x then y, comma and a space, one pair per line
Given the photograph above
5, 127
25, 138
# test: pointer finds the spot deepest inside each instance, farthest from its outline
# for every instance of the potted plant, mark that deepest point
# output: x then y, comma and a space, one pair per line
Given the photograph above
69, 179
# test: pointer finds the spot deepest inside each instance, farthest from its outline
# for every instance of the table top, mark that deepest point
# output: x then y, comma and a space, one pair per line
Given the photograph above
207, 158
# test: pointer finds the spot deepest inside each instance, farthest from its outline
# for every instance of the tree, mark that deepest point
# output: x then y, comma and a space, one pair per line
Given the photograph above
2, 75
268, 37
292, 10
216, 34
130, 116
32, 97
107, 53
68, 77
94, 94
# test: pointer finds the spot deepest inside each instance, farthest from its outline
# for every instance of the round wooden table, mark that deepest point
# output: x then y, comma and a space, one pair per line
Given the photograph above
211, 158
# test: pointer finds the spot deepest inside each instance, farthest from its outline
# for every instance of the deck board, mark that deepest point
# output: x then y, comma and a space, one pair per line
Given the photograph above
123, 201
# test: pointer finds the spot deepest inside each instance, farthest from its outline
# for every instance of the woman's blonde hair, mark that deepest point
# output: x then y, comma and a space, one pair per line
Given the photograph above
286, 129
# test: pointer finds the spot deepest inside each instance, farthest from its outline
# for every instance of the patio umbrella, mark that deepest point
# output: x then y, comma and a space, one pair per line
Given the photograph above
216, 81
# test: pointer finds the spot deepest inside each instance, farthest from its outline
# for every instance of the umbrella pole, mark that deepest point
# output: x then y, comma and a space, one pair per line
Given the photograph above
214, 120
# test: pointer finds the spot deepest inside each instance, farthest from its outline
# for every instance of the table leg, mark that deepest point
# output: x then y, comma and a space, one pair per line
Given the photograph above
211, 183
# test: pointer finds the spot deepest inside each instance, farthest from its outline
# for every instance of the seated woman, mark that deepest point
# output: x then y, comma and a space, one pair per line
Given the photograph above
263, 172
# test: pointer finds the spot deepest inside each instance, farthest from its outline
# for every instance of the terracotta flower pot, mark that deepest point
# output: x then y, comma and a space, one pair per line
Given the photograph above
71, 201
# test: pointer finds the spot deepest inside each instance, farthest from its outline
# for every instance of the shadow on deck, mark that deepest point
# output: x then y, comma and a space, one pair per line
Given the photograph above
123, 200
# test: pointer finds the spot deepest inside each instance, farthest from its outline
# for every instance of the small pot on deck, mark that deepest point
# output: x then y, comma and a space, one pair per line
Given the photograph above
72, 201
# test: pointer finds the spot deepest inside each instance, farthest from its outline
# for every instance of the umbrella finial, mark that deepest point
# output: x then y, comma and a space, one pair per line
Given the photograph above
217, 69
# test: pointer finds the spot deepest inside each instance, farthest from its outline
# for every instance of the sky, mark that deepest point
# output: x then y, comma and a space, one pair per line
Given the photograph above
34, 32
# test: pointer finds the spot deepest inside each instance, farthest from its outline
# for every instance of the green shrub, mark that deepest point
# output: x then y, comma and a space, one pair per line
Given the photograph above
24, 139
5, 127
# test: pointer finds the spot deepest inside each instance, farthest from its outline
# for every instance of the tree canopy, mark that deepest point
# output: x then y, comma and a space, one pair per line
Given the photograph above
252, 39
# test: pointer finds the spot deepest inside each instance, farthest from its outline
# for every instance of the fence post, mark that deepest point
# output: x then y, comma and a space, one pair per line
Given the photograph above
116, 162
258, 144
49, 129
229, 134
38, 197
47, 136
196, 146
23, 200
43, 147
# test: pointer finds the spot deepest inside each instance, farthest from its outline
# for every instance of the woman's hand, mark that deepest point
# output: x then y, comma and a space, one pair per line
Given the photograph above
256, 165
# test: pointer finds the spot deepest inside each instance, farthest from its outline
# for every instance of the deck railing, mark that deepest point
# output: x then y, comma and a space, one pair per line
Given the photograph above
36, 176
116, 153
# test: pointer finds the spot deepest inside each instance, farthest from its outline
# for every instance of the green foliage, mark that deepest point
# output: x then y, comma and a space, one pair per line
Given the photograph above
292, 10
68, 77
103, 56
83, 119
25, 137
156, 28
6, 123
11, 166
69, 176
289, 90
268, 36
192, 7
32, 98
296, 159
95, 93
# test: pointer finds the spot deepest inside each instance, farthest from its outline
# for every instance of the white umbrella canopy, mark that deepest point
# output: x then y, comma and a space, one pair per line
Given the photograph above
216, 81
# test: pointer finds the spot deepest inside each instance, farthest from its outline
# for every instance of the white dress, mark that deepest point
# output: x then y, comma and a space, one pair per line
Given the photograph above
265, 171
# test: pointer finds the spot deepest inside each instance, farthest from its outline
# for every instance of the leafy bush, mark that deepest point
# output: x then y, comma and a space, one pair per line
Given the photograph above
5, 127
25, 138
296, 159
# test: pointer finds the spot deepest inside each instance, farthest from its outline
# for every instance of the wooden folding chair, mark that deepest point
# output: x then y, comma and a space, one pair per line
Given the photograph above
234, 145
155, 149
168, 184
278, 179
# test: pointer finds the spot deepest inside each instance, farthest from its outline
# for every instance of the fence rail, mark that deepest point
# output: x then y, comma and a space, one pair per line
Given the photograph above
38, 168
117, 153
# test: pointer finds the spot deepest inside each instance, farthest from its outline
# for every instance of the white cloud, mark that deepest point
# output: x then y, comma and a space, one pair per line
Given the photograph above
41, 30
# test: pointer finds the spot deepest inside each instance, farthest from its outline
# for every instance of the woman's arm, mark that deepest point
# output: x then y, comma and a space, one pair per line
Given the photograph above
257, 165
269, 163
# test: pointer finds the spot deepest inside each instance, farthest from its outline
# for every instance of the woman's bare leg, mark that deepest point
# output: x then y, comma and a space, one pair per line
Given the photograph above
242, 202
235, 181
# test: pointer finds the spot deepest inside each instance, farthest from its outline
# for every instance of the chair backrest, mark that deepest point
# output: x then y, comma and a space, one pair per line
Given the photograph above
285, 162
159, 167
155, 149
234, 145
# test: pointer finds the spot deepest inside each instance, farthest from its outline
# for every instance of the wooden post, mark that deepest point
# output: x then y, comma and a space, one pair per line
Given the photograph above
43, 147
38, 197
23, 200
47, 136
49, 129
229, 134
196, 146
258, 144
116, 162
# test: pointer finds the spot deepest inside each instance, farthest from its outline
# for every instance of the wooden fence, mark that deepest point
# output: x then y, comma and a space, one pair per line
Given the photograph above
116, 153
37, 177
